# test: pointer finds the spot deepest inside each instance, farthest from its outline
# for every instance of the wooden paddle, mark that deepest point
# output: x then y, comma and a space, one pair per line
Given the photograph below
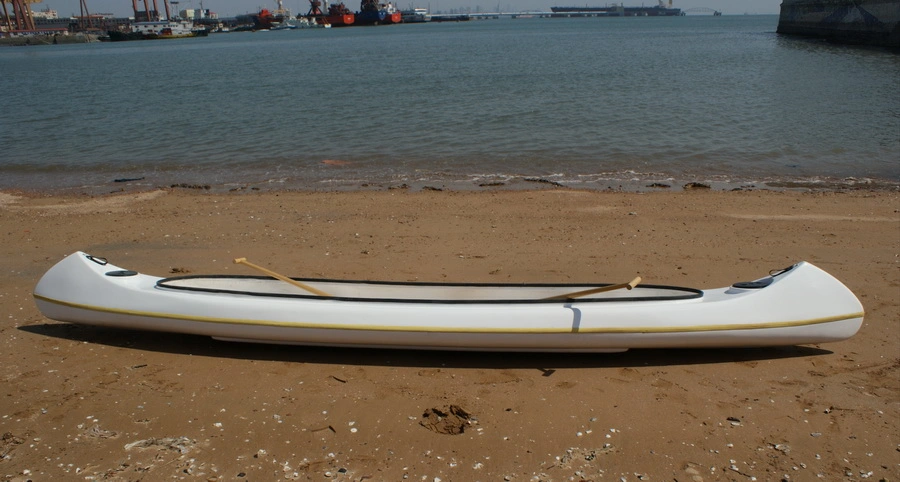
302, 286
631, 284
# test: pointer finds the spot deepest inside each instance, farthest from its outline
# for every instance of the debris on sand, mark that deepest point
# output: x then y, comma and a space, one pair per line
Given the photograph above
451, 420
179, 444
96, 432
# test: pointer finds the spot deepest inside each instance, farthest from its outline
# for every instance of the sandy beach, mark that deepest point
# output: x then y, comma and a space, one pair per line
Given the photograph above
84, 403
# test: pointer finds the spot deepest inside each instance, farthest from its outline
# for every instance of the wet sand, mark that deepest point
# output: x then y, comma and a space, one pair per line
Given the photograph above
83, 403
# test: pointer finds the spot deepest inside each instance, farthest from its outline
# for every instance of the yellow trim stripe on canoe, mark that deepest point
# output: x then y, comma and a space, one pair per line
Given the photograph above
322, 326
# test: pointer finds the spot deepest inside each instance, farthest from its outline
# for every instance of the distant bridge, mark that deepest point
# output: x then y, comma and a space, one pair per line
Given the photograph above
703, 10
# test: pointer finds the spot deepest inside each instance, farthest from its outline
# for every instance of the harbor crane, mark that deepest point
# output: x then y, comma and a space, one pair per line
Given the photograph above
148, 15
23, 19
315, 9
85, 21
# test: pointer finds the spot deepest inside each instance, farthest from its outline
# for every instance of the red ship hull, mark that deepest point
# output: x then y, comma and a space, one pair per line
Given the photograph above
343, 20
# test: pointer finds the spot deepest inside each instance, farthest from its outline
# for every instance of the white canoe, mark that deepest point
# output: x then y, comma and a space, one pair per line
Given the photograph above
798, 305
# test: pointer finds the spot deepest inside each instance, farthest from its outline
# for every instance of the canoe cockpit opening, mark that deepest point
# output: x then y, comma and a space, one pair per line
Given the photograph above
422, 292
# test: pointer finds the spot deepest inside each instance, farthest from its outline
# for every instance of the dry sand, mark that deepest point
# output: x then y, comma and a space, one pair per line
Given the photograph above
82, 403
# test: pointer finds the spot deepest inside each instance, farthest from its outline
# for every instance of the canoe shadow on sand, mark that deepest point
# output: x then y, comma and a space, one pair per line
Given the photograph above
196, 345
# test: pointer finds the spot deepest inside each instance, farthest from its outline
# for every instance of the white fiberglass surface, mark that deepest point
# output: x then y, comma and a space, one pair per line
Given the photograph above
414, 291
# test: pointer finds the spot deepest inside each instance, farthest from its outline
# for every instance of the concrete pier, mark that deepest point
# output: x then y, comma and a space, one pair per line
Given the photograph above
869, 22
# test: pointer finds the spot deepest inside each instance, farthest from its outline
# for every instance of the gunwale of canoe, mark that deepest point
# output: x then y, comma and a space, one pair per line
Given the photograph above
399, 292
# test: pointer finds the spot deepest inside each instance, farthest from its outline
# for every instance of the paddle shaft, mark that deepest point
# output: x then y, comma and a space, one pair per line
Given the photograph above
630, 285
302, 286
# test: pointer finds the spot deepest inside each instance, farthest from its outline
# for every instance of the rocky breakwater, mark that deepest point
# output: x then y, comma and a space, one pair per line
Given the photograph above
870, 22
48, 39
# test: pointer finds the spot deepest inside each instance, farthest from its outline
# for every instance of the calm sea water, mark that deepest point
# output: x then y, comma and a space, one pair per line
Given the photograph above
588, 103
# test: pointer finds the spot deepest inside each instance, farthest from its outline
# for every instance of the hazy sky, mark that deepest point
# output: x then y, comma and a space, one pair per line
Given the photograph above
226, 8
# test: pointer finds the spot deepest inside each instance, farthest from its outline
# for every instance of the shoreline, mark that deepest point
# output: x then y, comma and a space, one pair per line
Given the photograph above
117, 404
637, 184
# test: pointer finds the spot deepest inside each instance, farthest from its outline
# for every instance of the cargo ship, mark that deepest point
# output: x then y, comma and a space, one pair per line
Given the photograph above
151, 24
266, 19
620, 10
159, 29
269, 19
371, 12
338, 14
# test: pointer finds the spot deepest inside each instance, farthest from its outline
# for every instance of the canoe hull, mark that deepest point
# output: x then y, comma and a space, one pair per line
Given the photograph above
805, 305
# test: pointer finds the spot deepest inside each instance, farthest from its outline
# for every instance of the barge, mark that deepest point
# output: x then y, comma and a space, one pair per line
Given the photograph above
620, 10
